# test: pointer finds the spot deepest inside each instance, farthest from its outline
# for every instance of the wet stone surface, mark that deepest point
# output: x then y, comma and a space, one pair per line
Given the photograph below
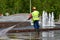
18, 24
28, 36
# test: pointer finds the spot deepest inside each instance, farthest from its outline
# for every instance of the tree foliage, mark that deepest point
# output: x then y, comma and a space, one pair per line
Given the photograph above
23, 6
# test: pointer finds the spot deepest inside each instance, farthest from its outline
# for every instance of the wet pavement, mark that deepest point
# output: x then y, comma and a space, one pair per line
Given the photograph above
25, 35
19, 36
29, 36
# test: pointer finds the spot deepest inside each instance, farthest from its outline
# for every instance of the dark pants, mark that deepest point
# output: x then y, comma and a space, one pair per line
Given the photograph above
36, 26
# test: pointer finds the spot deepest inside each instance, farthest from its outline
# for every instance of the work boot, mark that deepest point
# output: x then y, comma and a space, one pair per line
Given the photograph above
36, 35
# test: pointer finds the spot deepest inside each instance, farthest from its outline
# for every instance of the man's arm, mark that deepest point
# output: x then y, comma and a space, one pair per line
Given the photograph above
30, 16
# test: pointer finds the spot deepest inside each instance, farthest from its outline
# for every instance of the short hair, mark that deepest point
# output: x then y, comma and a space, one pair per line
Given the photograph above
34, 8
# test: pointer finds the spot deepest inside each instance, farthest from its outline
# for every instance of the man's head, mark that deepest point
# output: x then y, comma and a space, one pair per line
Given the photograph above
34, 8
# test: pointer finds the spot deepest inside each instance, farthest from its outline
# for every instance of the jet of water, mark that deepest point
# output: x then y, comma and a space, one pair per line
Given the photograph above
52, 20
49, 20
4, 31
43, 19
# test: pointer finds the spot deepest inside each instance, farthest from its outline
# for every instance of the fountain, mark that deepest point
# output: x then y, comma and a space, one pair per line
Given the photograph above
44, 23
52, 20
43, 19
52, 25
47, 22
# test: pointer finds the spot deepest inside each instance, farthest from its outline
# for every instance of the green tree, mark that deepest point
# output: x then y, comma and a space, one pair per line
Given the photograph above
23, 6
17, 6
37, 3
3, 6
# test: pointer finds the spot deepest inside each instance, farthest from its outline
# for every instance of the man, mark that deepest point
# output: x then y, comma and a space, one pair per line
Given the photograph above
35, 17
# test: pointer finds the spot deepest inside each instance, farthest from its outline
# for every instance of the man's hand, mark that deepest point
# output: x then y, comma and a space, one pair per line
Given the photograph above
28, 19
30, 16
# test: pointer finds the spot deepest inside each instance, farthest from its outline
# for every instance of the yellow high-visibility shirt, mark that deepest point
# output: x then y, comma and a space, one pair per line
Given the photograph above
35, 15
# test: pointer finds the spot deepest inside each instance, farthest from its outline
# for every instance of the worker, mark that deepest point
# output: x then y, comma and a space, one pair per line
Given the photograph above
35, 17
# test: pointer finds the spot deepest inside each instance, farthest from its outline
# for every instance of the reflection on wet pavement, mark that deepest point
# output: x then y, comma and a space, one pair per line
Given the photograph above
20, 36
29, 36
